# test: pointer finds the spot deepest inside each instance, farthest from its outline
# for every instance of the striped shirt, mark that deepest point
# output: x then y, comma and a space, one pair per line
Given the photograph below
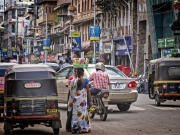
100, 80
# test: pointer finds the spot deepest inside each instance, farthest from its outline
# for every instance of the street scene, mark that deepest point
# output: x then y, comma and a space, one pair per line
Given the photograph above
142, 118
100, 67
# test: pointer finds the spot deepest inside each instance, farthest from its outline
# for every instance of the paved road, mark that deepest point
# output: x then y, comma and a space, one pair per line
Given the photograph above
143, 118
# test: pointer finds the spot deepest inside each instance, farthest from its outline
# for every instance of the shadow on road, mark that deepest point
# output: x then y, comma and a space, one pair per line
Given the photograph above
123, 112
31, 132
166, 105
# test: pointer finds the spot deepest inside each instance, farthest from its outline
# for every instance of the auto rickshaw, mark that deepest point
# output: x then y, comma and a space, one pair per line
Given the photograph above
30, 97
3, 67
164, 80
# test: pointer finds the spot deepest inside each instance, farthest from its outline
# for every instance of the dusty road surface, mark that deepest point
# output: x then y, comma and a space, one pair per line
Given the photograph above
143, 118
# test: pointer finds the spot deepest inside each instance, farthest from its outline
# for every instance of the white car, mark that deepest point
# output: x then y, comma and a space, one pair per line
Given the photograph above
122, 88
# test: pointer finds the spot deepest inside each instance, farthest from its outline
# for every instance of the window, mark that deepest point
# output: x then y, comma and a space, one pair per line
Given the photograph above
79, 8
62, 40
13, 28
111, 71
13, 13
63, 73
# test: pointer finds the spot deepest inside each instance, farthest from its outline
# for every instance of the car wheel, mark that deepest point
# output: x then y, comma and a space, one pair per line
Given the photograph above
6, 132
56, 130
157, 103
123, 107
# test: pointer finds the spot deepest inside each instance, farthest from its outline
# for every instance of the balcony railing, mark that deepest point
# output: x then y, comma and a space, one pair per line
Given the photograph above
50, 18
61, 2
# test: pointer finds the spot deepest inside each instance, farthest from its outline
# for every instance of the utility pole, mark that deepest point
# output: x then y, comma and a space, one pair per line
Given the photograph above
112, 35
94, 61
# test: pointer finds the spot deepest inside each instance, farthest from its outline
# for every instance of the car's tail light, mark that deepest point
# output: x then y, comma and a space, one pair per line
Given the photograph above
132, 84
164, 86
52, 105
13, 105
105, 95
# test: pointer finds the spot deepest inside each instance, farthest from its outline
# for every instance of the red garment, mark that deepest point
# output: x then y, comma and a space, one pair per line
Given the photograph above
100, 80
69, 79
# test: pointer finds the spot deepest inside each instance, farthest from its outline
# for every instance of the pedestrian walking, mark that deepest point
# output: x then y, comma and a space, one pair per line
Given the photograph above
146, 76
69, 113
65, 64
79, 91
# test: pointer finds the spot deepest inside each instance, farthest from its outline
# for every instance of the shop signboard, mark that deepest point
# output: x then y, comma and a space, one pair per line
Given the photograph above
166, 43
76, 41
95, 33
107, 47
122, 49
46, 44
97, 48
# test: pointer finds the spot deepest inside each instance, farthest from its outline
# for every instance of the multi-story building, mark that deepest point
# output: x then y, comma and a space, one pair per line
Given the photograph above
161, 14
45, 7
59, 33
14, 23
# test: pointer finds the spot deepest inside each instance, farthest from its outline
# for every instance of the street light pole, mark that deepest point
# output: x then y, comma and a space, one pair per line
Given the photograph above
94, 25
45, 51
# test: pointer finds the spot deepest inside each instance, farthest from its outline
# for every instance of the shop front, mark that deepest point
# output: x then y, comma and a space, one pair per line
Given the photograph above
123, 50
167, 48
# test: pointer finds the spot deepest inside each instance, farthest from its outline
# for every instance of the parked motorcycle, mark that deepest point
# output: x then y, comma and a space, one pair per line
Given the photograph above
140, 84
100, 105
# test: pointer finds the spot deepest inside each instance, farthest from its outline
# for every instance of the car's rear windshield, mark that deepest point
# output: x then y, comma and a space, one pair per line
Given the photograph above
111, 71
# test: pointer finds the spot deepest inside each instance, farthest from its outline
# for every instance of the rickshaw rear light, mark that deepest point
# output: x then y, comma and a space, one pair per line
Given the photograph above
13, 105
52, 105
132, 84
164, 86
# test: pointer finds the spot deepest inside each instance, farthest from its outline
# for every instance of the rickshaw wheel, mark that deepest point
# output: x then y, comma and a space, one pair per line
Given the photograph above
56, 130
157, 103
6, 132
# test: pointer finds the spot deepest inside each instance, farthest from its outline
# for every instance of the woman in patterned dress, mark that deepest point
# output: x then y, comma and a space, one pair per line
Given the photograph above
69, 113
79, 91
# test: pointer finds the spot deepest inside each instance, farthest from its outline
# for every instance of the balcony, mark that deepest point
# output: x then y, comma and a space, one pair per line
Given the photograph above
63, 2
50, 19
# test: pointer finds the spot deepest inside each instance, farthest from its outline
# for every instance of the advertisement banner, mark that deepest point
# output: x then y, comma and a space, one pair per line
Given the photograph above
46, 44
95, 33
76, 41
5, 53
122, 49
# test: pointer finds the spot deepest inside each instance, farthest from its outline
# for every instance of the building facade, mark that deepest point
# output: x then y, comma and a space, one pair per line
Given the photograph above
160, 16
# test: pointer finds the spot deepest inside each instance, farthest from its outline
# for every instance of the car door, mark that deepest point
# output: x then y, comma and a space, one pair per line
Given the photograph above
61, 79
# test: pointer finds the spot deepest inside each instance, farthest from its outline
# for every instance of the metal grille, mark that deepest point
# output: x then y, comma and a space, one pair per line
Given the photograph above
32, 107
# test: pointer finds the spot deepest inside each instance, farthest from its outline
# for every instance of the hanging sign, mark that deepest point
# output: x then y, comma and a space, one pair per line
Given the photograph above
95, 33
5, 53
76, 41
46, 44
